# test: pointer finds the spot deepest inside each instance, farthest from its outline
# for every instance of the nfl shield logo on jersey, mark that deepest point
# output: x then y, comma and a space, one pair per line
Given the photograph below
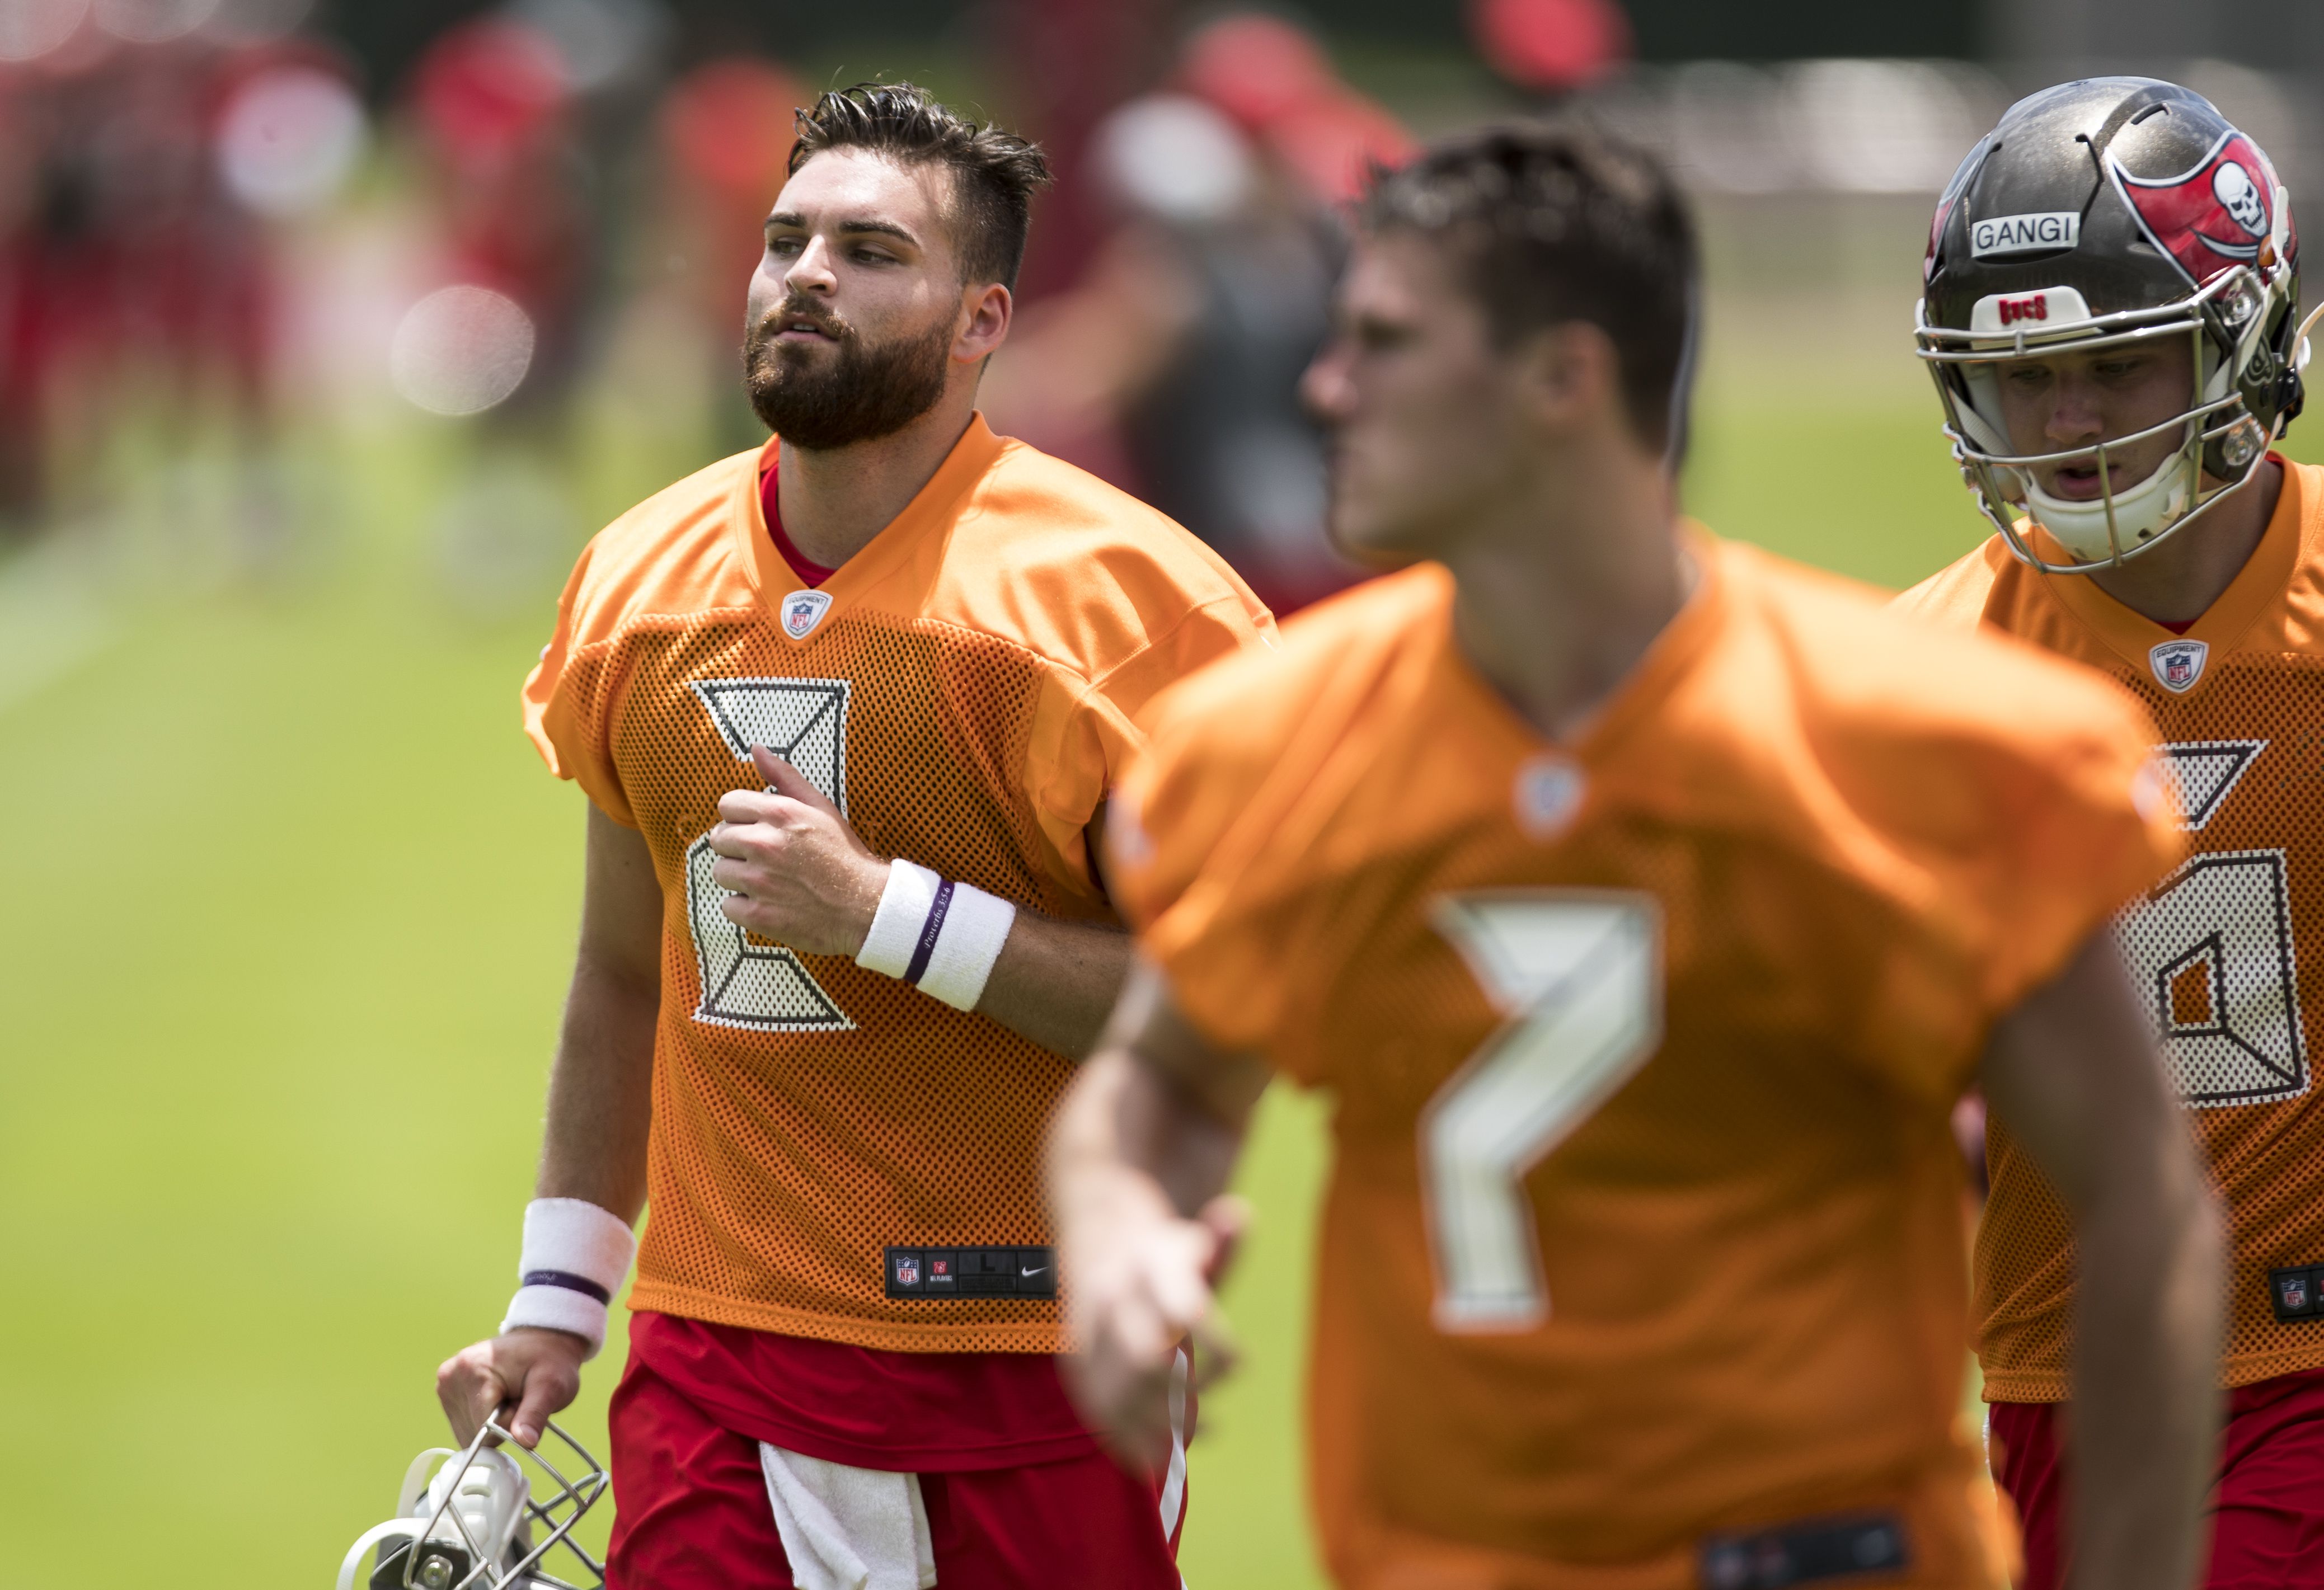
802, 612
2178, 664
907, 1270
2295, 1292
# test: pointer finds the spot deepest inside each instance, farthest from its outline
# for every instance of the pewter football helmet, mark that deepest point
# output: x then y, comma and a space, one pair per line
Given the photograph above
2102, 214
465, 1520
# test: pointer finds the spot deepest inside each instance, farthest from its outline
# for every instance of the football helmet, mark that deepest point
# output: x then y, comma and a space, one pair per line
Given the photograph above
464, 1520
2099, 213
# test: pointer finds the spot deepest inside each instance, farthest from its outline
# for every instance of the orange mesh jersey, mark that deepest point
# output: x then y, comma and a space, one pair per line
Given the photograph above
1644, 1219
2221, 947
963, 687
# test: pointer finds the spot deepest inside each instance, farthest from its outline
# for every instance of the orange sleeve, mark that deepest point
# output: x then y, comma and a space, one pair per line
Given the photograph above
2095, 827
570, 697
1193, 865
1085, 739
2060, 829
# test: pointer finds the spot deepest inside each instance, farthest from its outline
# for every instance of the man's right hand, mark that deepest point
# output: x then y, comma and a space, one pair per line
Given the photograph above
538, 1370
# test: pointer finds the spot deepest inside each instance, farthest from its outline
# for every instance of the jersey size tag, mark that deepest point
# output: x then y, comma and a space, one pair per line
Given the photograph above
971, 1273
1809, 1551
2292, 1292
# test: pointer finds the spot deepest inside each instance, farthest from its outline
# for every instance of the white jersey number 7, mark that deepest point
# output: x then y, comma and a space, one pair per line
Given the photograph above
1579, 975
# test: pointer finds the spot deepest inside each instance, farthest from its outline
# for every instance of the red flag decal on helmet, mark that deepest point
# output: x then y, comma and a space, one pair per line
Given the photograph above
2211, 216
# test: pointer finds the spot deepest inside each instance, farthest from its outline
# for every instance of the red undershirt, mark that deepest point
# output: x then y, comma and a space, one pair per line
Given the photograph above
814, 573
2179, 627
920, 1412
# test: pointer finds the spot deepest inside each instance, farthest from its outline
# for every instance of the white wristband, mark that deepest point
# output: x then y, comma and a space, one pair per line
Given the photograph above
573, 1258
942, 937
963, 946
896, 925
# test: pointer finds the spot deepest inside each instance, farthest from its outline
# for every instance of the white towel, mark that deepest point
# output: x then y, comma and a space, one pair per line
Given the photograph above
849, 1529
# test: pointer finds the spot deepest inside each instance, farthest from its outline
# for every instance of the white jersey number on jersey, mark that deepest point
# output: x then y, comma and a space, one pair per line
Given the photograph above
2211, 949
747, 982
1579, 975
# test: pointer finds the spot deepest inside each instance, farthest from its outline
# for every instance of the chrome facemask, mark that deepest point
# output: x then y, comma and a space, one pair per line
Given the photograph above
2120, 524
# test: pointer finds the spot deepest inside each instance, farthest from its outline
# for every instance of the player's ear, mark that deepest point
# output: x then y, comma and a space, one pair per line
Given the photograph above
1567, 373
984, 327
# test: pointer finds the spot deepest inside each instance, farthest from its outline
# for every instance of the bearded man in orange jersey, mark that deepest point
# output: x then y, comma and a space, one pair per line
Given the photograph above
847, 709
2111, 311
1645, 903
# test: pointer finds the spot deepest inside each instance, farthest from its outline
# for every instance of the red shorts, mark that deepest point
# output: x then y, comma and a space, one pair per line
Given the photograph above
691, 1513
2267, 1501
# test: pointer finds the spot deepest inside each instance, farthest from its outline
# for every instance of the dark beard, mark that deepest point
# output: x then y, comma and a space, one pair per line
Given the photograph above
869, 390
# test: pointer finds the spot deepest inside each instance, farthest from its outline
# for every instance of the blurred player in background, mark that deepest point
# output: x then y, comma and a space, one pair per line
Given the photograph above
725, 142
888, 633
132, 266
2112, 292
495, 113
1647, 903
1172, 367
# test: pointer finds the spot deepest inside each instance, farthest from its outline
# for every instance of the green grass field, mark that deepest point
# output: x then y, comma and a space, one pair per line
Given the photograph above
286, 904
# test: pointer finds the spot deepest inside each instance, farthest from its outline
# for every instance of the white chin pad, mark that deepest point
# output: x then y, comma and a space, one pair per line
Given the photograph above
2140, 513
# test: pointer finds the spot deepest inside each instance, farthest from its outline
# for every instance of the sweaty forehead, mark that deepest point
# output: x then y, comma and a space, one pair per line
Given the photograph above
842, 185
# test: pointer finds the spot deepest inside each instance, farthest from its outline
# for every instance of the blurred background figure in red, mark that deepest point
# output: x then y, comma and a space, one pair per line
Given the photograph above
1552, 47
492, 110
151, 146
1173, 368
725, 136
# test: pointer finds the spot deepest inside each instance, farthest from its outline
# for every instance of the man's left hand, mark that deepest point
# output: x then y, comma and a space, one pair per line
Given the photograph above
799, 873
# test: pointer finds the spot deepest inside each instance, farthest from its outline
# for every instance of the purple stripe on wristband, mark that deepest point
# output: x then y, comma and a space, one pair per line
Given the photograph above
570, 1281
929, 932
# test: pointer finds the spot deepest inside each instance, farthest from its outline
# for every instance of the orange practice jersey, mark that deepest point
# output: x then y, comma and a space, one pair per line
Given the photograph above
2220, 947
964, 688
1644, 1225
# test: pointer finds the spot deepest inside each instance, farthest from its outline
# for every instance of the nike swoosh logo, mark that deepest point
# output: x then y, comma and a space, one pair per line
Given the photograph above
1029, 1274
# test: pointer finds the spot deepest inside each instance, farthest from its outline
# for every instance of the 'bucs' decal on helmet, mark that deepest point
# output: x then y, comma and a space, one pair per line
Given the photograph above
2214, 216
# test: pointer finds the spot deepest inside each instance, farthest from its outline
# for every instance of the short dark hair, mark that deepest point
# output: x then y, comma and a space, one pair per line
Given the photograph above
995, 174
1552, 221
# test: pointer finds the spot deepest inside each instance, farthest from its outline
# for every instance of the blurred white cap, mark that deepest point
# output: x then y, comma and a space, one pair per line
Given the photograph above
30, 28
461, 350
289, 139
601, 41
1174, 158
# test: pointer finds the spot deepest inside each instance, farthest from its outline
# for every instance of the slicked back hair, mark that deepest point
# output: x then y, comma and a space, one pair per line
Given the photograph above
1548, 222
995, 174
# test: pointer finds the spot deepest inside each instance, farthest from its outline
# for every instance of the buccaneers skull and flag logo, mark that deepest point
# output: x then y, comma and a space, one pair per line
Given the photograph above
2218, 214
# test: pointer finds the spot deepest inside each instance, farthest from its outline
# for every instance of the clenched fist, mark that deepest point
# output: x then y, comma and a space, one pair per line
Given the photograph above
799, 873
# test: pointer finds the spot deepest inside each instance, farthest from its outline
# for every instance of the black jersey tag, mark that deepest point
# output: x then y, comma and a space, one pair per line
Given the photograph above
971, 1273
2292, 1292
1867, 1544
